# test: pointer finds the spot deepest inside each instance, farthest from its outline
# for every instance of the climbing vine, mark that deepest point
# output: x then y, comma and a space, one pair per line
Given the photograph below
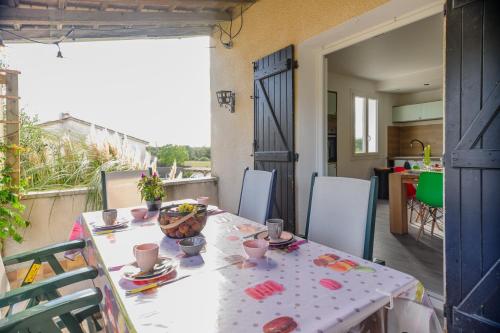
11, 209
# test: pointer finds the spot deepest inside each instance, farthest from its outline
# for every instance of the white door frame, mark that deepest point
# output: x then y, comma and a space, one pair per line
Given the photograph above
312, 81
322, 65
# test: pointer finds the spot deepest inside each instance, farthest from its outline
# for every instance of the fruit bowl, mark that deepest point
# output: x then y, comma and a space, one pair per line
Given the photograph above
182, 220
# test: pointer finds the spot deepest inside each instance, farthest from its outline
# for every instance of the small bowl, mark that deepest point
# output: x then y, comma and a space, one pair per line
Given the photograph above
203, 200
139, 213
256, 248
192, 245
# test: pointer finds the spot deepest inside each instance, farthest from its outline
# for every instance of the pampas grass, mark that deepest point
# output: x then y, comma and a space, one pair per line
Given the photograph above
53, 162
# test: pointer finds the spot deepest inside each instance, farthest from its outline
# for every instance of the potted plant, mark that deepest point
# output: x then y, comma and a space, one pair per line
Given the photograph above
151, 188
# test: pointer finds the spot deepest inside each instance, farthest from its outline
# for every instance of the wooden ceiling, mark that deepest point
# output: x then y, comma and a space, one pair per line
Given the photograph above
53, 20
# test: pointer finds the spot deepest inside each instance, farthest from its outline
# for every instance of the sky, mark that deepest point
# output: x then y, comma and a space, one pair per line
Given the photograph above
156, 90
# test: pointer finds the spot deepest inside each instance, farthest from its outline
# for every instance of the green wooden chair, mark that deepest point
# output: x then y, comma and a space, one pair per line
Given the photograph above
430, 195
39, 318
24, 303
45, 254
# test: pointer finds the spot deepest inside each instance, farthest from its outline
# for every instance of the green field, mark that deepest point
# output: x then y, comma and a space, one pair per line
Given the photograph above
198, 164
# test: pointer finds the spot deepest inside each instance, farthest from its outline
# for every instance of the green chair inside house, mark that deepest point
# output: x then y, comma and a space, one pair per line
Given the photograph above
32, 306
430, 195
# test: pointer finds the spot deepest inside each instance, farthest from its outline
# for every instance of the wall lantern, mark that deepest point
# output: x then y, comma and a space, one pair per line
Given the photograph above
226, 98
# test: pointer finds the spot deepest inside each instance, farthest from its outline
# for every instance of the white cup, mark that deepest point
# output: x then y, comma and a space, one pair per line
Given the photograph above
146, 256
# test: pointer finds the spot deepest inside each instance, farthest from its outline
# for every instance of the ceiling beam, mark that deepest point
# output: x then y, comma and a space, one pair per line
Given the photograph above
170, 2
11, 16
79, 35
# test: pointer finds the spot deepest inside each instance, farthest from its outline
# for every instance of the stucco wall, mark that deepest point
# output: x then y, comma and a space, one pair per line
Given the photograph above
268, 26
52, 213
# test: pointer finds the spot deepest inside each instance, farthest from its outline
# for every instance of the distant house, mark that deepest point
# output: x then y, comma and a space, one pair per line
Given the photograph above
75, 127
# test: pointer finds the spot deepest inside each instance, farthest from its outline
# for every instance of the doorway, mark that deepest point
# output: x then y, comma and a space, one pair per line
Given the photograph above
389, 107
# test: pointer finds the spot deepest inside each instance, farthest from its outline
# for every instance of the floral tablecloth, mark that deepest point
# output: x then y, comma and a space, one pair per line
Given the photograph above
312, 289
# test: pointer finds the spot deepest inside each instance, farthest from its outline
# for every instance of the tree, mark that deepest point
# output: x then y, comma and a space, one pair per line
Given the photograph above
198, 153
170, 153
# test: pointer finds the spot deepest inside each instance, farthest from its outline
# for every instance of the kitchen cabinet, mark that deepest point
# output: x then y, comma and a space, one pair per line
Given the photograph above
417, 112
332, 169
332, 103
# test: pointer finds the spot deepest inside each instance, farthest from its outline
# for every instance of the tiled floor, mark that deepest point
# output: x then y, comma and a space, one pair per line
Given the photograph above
422, 259
16, 277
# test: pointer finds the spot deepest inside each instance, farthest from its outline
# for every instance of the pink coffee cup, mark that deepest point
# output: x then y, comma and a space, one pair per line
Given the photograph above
202, 200
146, 256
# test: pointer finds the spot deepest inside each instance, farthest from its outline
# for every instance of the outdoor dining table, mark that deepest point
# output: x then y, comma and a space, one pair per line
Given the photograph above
214, 295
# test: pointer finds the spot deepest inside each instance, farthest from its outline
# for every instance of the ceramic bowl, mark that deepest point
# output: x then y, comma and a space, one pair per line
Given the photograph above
256, 248
193, 245
139, 213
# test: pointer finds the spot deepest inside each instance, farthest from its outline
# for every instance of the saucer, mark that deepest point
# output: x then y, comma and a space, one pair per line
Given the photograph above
163, 267
285, 238
117, 225
100, 225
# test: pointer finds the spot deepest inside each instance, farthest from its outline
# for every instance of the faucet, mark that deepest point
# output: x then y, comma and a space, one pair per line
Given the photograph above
421, 143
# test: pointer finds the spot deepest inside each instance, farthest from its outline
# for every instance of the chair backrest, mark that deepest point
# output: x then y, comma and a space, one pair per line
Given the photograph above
257, 195
119, 188
410, 188
342, 214
4, 285
430, 189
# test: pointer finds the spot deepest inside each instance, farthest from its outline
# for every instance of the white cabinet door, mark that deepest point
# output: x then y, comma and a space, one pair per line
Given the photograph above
433, 110
417, 112
406, 113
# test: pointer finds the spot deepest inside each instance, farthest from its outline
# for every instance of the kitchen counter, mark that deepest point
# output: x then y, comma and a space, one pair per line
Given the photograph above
412, 157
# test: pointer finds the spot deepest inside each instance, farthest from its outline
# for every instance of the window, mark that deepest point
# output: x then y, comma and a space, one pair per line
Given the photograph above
365, 125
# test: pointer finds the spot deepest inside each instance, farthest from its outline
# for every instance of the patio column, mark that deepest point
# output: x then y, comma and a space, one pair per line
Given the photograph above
9, 78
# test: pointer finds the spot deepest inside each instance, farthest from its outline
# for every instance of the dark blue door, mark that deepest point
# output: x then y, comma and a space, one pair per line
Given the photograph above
274, 127
472, 161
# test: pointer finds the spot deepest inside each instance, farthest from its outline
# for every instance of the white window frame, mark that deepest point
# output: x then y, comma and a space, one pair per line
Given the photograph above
366, 154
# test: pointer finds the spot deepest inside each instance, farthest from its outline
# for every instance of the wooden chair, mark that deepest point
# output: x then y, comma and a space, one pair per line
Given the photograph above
257, 195
25, 310
119, 188
342, 214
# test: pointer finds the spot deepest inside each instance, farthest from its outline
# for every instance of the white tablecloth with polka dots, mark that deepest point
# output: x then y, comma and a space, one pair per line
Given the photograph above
321, 292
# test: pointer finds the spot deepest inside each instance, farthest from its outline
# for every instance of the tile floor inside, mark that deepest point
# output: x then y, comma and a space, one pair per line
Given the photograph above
422, 259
